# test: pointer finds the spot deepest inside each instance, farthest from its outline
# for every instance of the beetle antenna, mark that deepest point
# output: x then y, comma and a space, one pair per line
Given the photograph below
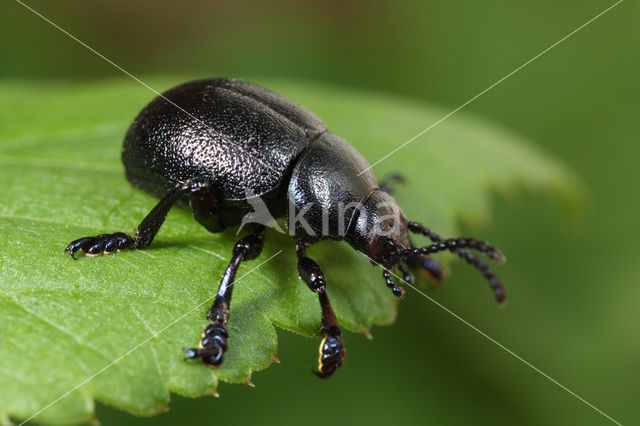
487, 272
461, 247
471, 258
459, 243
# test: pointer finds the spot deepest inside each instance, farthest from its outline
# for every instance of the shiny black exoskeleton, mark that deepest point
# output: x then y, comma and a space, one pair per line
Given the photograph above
220, 145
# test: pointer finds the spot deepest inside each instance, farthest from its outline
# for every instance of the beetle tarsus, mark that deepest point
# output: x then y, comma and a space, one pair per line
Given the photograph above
100, 244
332, 353
212, 347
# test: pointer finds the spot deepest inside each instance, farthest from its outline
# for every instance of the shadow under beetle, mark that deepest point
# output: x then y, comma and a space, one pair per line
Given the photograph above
208, 143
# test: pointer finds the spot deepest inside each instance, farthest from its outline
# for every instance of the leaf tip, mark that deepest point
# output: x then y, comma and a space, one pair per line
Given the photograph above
213, 393
5, 420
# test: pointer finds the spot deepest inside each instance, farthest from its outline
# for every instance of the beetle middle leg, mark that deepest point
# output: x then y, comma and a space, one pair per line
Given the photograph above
427, 266
213, 343
148, 228
332, 351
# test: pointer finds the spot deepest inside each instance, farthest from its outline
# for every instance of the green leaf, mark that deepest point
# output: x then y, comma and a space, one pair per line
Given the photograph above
64, 321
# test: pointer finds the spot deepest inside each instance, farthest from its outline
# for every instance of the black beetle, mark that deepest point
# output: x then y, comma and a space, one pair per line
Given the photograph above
218, 144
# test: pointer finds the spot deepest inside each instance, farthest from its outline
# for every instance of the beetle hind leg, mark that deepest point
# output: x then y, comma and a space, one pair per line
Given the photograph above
148, 228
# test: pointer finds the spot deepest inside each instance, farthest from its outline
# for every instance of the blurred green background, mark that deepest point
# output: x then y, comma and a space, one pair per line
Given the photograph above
573, 284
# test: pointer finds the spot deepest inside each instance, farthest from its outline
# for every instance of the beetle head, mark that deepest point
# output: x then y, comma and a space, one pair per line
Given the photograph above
380, 230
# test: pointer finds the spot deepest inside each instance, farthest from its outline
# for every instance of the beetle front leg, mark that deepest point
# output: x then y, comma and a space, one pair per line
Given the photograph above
213, 343
148, 228
430, 268
332, 351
